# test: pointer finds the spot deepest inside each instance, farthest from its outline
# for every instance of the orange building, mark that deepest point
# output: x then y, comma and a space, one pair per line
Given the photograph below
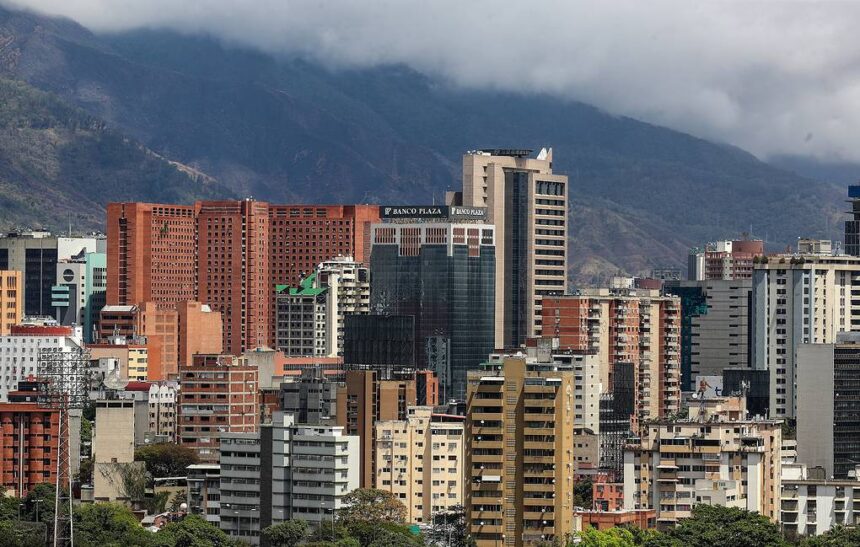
28, 446
199, 331
150, 253
233, 269
217, 393
227, 254
11, 300
607, 496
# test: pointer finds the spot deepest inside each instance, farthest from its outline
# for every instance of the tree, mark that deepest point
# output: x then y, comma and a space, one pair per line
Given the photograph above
286, 534
582, 494
371, 505
166, 459
22, 534
98, 524
192, 531
838, 536
39, 503
712, 525
449, 528
614, 537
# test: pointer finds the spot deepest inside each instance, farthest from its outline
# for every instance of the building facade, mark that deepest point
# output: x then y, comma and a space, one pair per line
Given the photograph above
28, 443
812, 503
302, 319
519, 454
80, 291
800, 299
727, 260
217, 394
717, 457
36, 254
443, 274
527, 203
348, 284
828, 399
379, 340
311, 397
11, 300
635, 326
204, 491
19, 350
716, 329
420, 461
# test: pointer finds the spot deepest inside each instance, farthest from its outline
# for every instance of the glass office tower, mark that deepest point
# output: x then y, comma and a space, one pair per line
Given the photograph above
443, 274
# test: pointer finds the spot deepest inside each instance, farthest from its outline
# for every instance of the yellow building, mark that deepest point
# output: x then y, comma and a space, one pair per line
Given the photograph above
519, 453
717, 457
420, 460
11, 300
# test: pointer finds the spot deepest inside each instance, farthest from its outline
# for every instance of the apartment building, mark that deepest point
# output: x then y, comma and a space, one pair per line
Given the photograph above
217, 394
132, 356
527, 203
19, 350
828, 399
121, 426
717, 457
348, 283
420, 461
11, 300
800, 299
519, 453
302, 319
204, 491
311, 397
29, 437
162, 410
636, 326
286, 471
727, 260
812, 503
368, 396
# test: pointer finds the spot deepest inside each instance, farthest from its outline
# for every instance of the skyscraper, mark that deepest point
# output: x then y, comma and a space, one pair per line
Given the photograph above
852, 227
527, 203
519, 453
437, 264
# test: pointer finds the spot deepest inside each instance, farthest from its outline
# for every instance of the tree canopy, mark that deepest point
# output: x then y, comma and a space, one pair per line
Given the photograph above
166, 459
373, 506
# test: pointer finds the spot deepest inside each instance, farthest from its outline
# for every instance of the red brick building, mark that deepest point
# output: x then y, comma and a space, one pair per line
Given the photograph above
217, 393
229, 255
28, 446
150, 253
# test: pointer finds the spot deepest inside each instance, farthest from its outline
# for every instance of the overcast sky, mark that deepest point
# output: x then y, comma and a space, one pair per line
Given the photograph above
773, 77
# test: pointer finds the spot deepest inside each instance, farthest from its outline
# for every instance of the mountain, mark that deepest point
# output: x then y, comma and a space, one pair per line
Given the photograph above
840, 172
60, 165
287, 130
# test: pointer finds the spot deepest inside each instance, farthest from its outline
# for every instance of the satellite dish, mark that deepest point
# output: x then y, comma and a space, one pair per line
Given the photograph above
114, 381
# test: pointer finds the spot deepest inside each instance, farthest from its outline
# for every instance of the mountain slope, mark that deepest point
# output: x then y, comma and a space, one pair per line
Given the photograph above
59, 165
286, 130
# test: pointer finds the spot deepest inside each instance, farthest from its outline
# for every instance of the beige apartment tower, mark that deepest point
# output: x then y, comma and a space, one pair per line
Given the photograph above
420, 461
519, 453
527, 202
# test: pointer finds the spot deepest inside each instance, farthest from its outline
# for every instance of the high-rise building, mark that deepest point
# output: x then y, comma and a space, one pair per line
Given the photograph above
162, 410
217, 394
716, 330
799, 299
348, 284
852, 226
724, 260
286, 471
11, 300
828, 399
80, 291
233, 273
302, 319
120, 427
151, 253
754, 383
204, 491
437, 264
132, 356
199, 330
519, 454
28, 442
172, 253
420, 461
19, 350
35, 254
635, 326
366, 397
527, 203
716, 457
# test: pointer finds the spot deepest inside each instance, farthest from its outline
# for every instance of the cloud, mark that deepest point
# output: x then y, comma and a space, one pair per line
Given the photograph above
772, 77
